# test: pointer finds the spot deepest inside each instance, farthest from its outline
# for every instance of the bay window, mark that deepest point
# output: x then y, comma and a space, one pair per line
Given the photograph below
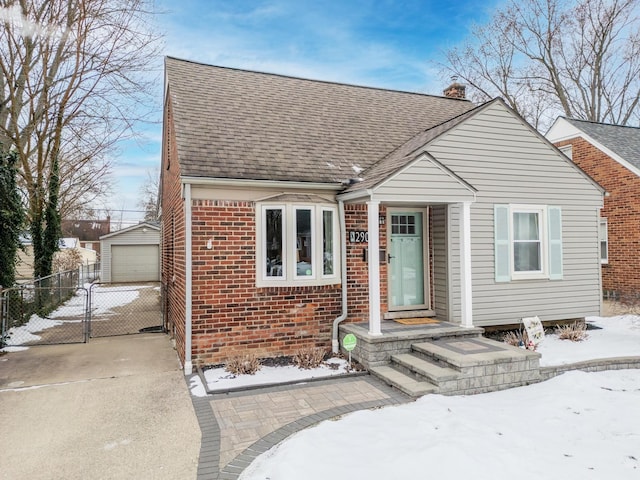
297, 245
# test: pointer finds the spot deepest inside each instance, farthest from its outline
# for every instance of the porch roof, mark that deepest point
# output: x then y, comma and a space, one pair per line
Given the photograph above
398, 159
423, 180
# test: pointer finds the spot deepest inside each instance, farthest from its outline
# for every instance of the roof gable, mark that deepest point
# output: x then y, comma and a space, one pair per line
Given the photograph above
141, 225
408, 151
240, 124
621, 143
444, 186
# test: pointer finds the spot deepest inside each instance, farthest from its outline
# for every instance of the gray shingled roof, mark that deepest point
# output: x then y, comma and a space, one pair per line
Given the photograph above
247, 125
624, 141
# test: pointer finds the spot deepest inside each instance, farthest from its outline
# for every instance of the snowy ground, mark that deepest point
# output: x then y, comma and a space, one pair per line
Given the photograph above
577, 425
617, 337
220, 379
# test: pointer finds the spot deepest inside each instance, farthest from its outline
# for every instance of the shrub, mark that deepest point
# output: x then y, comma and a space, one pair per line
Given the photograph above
67, 259
243, 364
576, 331
308, 357
516, 338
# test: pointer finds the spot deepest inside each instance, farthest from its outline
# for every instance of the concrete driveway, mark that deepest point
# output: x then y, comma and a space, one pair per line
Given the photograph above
115, 408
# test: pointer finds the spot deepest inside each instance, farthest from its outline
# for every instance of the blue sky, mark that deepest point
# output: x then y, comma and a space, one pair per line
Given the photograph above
384, 43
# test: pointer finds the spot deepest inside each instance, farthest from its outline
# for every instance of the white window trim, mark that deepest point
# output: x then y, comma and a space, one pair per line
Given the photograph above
541, 210
314, 233
335, 241
603, 221
261, 265
289, 264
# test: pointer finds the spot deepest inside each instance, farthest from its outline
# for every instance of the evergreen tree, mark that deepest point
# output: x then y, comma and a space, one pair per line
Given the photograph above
45, 230
11, 218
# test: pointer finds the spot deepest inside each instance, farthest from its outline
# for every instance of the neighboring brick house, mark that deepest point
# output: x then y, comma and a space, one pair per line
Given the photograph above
87, 231
291, 205
610, 154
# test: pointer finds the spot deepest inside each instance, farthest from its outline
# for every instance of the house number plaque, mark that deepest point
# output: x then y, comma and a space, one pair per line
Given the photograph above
358, 236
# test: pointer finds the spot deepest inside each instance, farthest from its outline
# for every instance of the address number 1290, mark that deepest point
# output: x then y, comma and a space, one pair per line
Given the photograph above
358, 236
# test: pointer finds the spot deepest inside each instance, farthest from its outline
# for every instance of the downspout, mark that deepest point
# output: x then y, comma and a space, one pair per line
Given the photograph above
188, 366
335, 344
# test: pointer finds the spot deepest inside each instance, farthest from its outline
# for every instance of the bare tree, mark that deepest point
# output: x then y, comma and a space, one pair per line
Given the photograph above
548, 57
74, 77
149, 192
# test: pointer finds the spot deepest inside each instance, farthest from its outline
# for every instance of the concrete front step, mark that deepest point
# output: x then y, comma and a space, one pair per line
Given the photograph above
452, 366
405, 383
410, 363
468, 353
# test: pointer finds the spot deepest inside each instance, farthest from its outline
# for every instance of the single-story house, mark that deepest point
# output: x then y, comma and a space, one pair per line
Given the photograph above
131, 254
291, 205
610, 154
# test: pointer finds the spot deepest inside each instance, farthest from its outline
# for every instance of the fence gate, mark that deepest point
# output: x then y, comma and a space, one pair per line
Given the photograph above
45, 313
66, 313
124, 309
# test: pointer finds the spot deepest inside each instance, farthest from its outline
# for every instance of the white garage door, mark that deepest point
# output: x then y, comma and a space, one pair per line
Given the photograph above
135, 263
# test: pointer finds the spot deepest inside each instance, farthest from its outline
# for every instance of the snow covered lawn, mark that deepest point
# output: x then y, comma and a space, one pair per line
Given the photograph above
617, 337
577, 425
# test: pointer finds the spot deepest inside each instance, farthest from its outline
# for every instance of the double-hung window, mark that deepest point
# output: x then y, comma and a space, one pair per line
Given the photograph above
528, 246
528, 242
297, 245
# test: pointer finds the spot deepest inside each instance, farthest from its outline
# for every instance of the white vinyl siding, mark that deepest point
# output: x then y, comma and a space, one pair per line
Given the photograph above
131, 255
409, 186
440, 261
507, 163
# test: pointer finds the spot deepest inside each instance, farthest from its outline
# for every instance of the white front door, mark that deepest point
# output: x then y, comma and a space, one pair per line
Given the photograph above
407, 260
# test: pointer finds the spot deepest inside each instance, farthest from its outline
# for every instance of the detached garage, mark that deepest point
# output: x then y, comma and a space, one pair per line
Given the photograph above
131, 254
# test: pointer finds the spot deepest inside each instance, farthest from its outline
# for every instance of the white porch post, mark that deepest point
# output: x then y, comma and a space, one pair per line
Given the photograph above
374, 267
466, 300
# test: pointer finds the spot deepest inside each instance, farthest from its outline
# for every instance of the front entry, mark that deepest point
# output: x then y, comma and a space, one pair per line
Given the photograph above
408, 278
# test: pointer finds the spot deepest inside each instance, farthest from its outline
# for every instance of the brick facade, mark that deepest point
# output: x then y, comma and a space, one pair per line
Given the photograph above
622, 210
230, 314
173, 238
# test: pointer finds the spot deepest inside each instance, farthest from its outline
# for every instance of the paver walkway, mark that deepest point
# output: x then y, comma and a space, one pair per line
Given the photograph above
237, 427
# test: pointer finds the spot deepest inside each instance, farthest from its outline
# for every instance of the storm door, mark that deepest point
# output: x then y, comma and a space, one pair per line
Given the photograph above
407, 272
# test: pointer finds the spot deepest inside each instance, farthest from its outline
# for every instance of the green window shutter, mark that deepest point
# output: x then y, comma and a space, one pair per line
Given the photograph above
554, 216
501, 242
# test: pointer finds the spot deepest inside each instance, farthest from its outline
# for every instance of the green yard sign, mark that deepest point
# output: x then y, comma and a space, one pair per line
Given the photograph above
349, 342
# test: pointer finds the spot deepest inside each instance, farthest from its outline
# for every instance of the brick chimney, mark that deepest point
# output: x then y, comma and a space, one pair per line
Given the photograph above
455, 90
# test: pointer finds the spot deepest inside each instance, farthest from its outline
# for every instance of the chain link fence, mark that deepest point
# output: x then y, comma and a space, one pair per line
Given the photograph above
124, 309
67, 308
50, 310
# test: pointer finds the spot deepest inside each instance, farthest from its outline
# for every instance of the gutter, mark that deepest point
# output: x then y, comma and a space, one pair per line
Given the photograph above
188, 366
335, 344
237, 182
